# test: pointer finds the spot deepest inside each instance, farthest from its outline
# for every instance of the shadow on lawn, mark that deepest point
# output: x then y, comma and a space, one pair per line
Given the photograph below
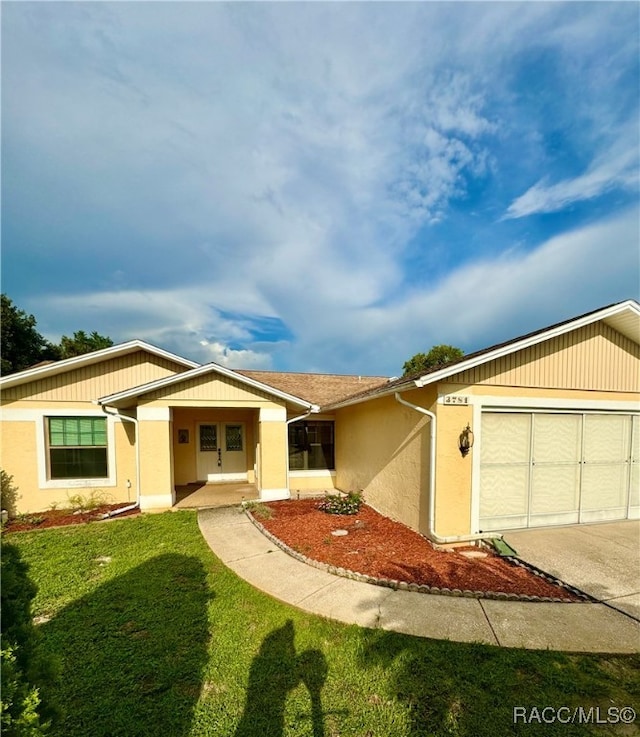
132, 652
275, 672
452, 688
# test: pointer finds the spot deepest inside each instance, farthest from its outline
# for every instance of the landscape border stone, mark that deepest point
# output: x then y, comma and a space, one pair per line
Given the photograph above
424, 588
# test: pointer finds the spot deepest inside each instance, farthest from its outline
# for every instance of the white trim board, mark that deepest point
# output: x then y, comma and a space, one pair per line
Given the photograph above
488, 401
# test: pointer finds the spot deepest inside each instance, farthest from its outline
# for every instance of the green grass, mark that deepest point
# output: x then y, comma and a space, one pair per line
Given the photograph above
154, 636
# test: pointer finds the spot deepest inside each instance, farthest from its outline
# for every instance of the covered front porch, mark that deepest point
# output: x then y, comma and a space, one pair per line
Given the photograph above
209, 436
202, 495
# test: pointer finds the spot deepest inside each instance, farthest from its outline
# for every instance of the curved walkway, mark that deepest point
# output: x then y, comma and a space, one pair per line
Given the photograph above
578, 627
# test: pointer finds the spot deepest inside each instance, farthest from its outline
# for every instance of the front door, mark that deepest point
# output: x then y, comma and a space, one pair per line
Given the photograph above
221, 452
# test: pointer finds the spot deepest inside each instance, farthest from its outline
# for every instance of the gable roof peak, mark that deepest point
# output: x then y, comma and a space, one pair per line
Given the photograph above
43, 370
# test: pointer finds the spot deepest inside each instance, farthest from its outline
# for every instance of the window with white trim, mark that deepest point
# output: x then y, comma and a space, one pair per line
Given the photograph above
77, 447
311, 445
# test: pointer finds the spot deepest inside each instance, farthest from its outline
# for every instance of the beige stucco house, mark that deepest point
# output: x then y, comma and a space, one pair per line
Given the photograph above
542, 430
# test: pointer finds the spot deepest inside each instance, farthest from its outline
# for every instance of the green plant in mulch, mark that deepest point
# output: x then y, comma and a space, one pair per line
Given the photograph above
80, 503
339, 504
259, 510
29, 519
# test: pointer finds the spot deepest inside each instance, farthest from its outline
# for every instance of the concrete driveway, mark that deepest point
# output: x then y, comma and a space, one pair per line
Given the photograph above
602, 559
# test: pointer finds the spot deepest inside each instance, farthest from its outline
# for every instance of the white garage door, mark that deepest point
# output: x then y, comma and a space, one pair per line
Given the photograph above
542, 468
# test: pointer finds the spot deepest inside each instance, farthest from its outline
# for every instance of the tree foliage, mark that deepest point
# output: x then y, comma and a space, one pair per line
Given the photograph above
437, 357
82, 343
23, 346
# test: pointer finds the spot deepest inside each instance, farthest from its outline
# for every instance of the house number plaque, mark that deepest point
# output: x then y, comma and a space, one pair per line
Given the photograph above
455, 399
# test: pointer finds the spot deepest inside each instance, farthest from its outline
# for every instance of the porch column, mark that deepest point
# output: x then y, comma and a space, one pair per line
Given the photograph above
156, 458
273, 453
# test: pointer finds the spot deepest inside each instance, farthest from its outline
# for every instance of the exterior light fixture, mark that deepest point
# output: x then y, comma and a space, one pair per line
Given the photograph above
465, 441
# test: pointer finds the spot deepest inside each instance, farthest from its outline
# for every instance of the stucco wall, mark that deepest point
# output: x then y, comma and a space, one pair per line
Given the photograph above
305, 482
272, 449
156, 464
382, 448
453, 471
21, 456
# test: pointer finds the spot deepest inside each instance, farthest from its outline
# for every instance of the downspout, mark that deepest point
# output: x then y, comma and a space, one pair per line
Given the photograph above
294, 419
136, 505
431, 533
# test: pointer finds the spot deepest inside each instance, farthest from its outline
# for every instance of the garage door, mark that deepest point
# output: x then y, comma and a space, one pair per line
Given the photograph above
542, 468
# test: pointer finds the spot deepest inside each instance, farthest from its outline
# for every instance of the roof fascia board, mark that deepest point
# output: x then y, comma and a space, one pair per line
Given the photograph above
195, 373
86, 359
527, 342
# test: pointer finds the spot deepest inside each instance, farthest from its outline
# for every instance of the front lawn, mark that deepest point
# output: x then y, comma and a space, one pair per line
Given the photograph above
154, 636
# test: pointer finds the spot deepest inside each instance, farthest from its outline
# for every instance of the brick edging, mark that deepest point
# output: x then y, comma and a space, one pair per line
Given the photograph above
423, 588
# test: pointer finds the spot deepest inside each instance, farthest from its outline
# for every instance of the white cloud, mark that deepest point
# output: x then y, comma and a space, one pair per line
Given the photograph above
613, 170
228, 160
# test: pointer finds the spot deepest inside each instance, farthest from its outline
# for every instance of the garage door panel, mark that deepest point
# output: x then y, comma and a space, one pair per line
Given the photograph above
604, 487
556, 490
504, 497
634, 492
506, 438
606, 438
556, 438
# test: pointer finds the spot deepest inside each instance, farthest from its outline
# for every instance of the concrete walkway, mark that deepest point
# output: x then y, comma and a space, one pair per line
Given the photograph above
579, 627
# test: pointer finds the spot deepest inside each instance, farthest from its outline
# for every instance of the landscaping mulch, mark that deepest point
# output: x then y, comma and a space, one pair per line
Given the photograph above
63, 517
379, 547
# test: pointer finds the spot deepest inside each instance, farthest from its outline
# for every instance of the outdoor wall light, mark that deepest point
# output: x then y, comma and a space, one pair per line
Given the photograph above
465, 441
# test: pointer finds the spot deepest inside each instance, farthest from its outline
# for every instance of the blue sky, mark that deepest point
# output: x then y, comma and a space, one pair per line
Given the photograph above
318, 186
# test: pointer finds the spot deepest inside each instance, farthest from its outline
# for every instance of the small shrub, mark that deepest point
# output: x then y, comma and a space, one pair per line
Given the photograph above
259, 510
338, 504
29, 519
80, 503
9, 493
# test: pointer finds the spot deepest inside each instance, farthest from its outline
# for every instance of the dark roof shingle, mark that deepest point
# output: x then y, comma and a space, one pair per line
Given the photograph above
320, 389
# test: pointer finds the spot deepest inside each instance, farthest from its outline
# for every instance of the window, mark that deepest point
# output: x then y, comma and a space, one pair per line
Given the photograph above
77, 447
311, 445
234, 437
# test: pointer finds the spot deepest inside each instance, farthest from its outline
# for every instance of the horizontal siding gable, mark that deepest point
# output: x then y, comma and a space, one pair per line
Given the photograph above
594, 357
97, 380
209, 387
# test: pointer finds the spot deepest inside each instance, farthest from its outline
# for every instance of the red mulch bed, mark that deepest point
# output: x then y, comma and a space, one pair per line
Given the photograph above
62, 518
377, 546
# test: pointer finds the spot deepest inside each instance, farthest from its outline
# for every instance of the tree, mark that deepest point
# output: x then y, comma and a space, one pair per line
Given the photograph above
22, 344
437, 357
82, 343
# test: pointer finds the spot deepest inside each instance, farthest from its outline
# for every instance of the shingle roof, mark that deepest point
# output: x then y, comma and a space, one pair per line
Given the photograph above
318, 389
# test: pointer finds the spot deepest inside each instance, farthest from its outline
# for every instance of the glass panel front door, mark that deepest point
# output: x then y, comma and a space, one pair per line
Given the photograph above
221, 452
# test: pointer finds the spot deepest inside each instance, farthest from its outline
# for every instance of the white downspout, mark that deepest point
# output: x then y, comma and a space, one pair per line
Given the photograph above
293, 419
431, 533
136, 505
